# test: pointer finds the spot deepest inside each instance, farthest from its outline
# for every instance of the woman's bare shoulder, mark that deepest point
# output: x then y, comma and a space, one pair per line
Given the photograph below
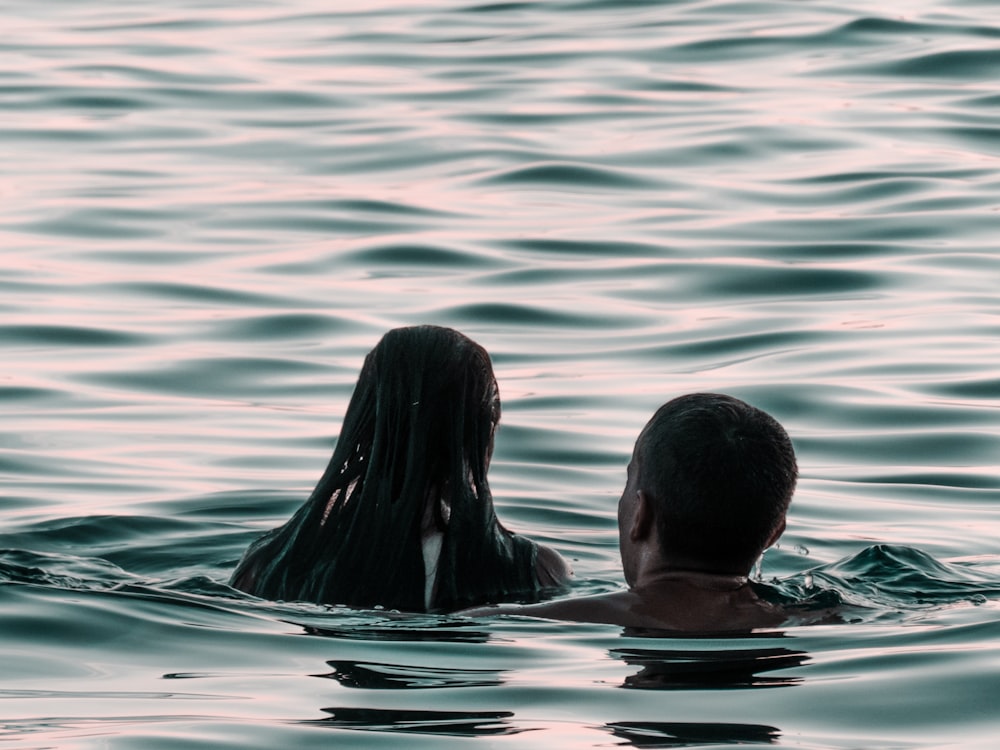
552, 569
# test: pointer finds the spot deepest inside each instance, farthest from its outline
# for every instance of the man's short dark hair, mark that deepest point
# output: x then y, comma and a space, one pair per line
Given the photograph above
721, 474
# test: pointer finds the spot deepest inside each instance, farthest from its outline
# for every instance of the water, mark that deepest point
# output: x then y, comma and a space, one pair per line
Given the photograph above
211, 211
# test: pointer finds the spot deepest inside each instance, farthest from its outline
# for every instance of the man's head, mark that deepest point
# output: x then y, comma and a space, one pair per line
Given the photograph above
716, 475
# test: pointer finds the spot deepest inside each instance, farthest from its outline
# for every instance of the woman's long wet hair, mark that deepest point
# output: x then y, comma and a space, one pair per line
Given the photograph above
413, 452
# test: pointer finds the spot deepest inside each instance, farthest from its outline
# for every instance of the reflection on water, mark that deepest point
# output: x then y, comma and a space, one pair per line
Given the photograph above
645, 734
449, 723
372, 676
398, 632
686, 734
667, 669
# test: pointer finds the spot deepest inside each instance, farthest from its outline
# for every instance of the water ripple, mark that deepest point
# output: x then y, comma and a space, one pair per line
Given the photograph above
569, 175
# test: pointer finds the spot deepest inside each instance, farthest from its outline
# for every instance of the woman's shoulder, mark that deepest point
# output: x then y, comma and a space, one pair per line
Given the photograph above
551, 568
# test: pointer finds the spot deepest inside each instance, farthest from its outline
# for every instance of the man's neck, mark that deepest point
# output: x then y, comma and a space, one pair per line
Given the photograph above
671, 577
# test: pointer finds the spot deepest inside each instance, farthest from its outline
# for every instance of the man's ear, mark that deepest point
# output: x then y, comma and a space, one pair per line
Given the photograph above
642, 520
776, 534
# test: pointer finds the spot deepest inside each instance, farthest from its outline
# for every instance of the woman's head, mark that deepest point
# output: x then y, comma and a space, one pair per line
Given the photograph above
413, 451
423, 413
417, 436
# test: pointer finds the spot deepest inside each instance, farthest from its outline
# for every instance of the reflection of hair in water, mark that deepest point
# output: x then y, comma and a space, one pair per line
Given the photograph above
410, 464
380, 676
443, 723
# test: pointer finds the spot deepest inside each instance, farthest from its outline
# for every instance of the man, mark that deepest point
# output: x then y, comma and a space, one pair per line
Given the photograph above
708, 488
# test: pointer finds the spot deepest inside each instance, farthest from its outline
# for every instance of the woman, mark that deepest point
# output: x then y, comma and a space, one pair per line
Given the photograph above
403, 516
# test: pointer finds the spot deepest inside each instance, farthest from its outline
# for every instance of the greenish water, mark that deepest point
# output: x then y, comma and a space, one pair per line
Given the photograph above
212, 211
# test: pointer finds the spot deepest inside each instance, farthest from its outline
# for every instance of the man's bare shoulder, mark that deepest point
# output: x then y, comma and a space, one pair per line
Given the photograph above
630, 609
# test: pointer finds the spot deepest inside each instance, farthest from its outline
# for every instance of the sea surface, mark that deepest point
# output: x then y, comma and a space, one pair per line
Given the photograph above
211, 210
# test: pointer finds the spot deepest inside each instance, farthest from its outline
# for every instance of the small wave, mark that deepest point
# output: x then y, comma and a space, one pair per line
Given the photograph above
58, 570
767, 343
791, 281
279, 326
421, 256
961, 65
19, 394
610, 248
872, 26
569, 175
530, 315
102, 223
66, 335
891, 577
149, 74
498, 7
189, 292
112, 551
987, 387
227, 377
94, 100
